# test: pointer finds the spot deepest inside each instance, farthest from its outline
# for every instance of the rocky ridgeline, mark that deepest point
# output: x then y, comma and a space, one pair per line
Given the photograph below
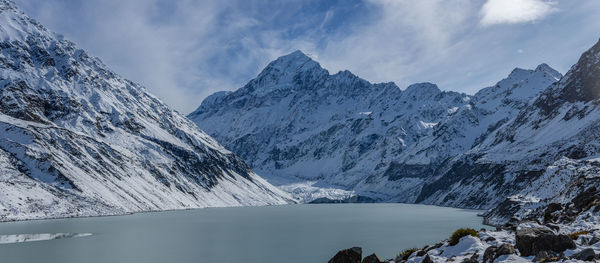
556, 232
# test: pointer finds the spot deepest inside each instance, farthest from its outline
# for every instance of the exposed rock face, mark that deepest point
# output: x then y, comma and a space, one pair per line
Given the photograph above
531, 241
549, 213
581, 84
585, 198
566, 189
78, 139
351, 255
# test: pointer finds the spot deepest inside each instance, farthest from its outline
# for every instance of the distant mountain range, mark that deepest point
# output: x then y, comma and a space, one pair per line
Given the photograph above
331, 137
77, 139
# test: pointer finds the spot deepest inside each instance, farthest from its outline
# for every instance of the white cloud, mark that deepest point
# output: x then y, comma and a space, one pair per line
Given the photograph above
405, 39
197, 47
515, 11
181, 54
184, 50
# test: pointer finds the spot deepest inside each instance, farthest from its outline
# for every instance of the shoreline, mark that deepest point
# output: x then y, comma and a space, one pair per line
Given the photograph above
246, 206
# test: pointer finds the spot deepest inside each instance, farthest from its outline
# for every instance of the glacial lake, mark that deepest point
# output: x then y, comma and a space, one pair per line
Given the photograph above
291, 233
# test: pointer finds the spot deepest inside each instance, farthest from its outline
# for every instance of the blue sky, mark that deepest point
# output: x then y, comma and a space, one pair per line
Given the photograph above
184, 50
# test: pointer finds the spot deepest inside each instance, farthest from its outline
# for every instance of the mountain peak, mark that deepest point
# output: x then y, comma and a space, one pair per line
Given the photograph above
296, 55
421, 91
520, 86
543, 67
549, 70
425, 87
596, 46
281, 72
294, 62
521, 74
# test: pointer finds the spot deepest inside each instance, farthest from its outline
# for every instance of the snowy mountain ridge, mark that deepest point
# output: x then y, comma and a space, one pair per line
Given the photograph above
80, 140
321, 136
562, 123
318, 135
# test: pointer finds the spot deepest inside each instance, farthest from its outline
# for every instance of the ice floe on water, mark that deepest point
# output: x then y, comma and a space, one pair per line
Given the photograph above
18, 238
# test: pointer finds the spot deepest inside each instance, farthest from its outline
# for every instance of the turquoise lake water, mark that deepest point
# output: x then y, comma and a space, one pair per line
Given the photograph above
291, 233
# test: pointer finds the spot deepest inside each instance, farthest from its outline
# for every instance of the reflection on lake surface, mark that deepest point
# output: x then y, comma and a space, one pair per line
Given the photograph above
7, 239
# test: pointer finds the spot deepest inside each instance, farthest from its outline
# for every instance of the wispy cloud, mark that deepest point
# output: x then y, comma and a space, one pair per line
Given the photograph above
404, 38
184, 50
181, 51
515, 11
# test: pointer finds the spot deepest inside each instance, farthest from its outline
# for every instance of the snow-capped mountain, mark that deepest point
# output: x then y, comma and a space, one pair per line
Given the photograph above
561, 125
318, 135
77, 139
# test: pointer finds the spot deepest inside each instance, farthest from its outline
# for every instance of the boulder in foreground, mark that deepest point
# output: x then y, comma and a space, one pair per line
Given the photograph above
351, 255
587, 254
373, 258
531, 241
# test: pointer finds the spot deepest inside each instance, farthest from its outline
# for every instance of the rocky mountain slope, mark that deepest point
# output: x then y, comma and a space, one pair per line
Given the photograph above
318, 135
562, 122
77, 139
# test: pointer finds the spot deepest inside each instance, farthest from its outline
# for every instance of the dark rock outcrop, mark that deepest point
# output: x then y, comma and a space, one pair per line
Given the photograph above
531, 241
585, 198
373, 258
549, 215
427, 259
505, 249
547, 256
493, 252
472, 259
351, 255
589, 240
587, 254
